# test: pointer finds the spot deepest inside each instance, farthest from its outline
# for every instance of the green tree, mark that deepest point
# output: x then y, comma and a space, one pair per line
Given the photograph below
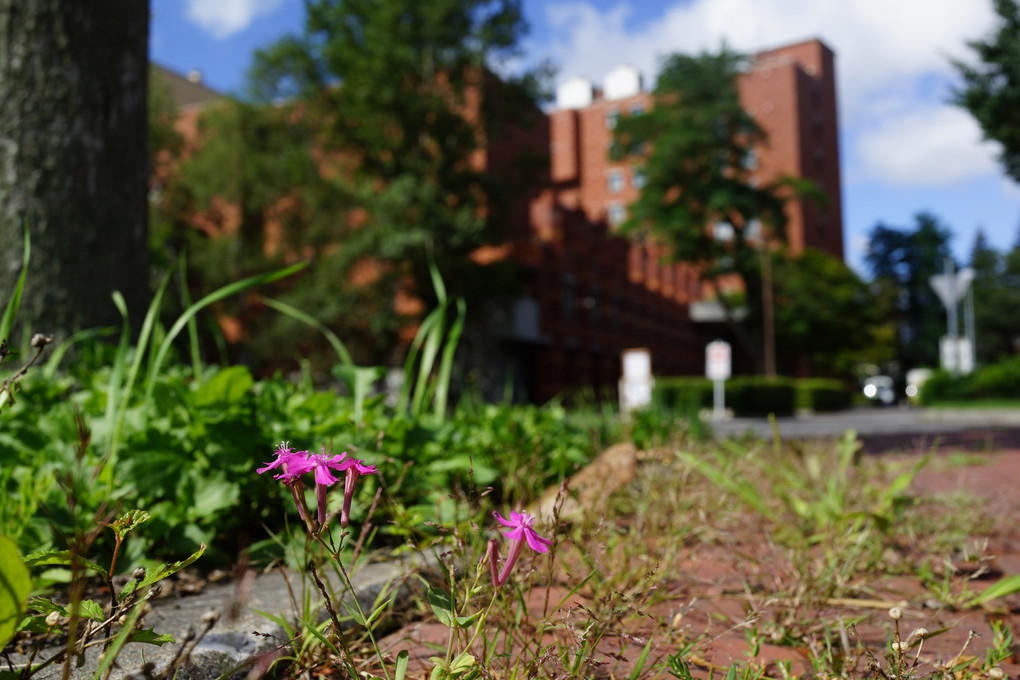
827, 320
73, 79
991, 86
902, 261
694, 144
996, 294
402, 90
371, 138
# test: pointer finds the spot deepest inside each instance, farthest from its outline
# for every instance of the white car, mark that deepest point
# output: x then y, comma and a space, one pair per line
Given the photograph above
880, 388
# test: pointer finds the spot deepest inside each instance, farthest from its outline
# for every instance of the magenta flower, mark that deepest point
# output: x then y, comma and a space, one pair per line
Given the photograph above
292, 466
286, 460
320, 465
520, 524
355, 468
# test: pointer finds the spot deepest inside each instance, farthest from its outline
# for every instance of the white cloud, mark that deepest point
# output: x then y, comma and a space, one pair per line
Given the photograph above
935, 145
223, 18
880, 46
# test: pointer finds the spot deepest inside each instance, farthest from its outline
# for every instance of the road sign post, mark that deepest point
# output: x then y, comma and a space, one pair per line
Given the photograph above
717, 369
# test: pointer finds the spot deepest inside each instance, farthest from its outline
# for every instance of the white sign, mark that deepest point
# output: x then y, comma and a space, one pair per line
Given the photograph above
717, 360
636, 382
955, 355
952, 287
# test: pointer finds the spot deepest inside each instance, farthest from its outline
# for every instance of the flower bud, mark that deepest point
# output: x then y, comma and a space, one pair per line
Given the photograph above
210, 618
138, 574
898, 646
920, 633
895, 613
996, 673
53, 619
122, 620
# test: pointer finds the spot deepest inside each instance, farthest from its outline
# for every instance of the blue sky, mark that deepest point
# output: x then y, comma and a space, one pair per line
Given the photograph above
903, 148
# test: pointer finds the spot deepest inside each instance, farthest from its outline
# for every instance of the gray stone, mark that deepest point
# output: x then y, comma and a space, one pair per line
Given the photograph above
233, 644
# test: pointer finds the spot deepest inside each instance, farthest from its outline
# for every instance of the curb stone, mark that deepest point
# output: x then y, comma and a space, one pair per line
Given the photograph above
232, 643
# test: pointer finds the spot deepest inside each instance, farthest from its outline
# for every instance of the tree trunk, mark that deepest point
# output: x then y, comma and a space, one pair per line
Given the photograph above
74, 160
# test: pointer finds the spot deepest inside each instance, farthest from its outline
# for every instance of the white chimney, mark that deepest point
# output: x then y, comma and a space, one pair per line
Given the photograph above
622, 82
575, 93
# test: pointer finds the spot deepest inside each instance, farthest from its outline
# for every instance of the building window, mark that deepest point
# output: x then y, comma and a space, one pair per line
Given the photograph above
637, 109
569, 288
612, 115
617, 213
615, 181
750, 160
592, 303
637, 177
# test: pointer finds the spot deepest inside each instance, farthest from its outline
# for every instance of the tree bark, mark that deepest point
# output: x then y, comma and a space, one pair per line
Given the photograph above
74, 160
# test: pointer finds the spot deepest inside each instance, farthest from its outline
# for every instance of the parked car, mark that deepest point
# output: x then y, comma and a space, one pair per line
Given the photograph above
879, 388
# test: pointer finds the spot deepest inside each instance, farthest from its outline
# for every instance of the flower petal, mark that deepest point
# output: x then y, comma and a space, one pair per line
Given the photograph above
503, 521
536, 542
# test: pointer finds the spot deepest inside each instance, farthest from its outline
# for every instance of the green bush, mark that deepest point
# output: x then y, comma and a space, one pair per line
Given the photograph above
822, 395
681, 394
757, 396
995, 381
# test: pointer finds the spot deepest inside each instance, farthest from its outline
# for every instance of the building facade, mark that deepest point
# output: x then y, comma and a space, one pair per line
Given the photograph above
595, 294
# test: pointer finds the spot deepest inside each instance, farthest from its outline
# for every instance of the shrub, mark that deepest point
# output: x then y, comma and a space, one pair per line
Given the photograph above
822, 394
757, 396
681, 393
996, 381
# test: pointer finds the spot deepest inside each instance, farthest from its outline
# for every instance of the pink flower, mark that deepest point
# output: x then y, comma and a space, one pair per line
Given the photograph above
284, 457
320, 465
520, 524
286, 460
355, 468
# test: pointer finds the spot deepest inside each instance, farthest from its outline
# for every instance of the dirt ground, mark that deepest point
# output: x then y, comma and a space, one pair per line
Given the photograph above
715, 594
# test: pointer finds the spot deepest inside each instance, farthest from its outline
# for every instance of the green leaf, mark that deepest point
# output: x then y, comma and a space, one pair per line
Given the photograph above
159, 573
91, 609
148, 636
61, 558
442, 605
465, 621
1001, 588
402, 657
462, 664
379, 611
354, 613
15, 585
228, 387
128, 522
14, 302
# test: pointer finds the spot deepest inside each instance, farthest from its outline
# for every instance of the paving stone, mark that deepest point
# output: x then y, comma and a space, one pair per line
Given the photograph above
234, 643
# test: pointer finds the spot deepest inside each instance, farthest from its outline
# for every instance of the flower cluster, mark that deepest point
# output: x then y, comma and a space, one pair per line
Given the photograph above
521, 532
293, 465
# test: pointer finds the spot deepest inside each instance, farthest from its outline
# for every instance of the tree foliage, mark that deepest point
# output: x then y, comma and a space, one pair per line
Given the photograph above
991, 86
827, 320
693, 146
996, 293
901, 262
364, 145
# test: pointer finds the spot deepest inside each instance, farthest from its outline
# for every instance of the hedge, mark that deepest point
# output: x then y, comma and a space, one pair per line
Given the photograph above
753, 395
822, 395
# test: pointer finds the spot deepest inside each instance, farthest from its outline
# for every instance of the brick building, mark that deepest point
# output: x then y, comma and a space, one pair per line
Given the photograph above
595, 294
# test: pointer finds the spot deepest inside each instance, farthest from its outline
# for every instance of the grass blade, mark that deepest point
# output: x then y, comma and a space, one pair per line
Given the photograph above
294, 312
190, 312
14, 303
